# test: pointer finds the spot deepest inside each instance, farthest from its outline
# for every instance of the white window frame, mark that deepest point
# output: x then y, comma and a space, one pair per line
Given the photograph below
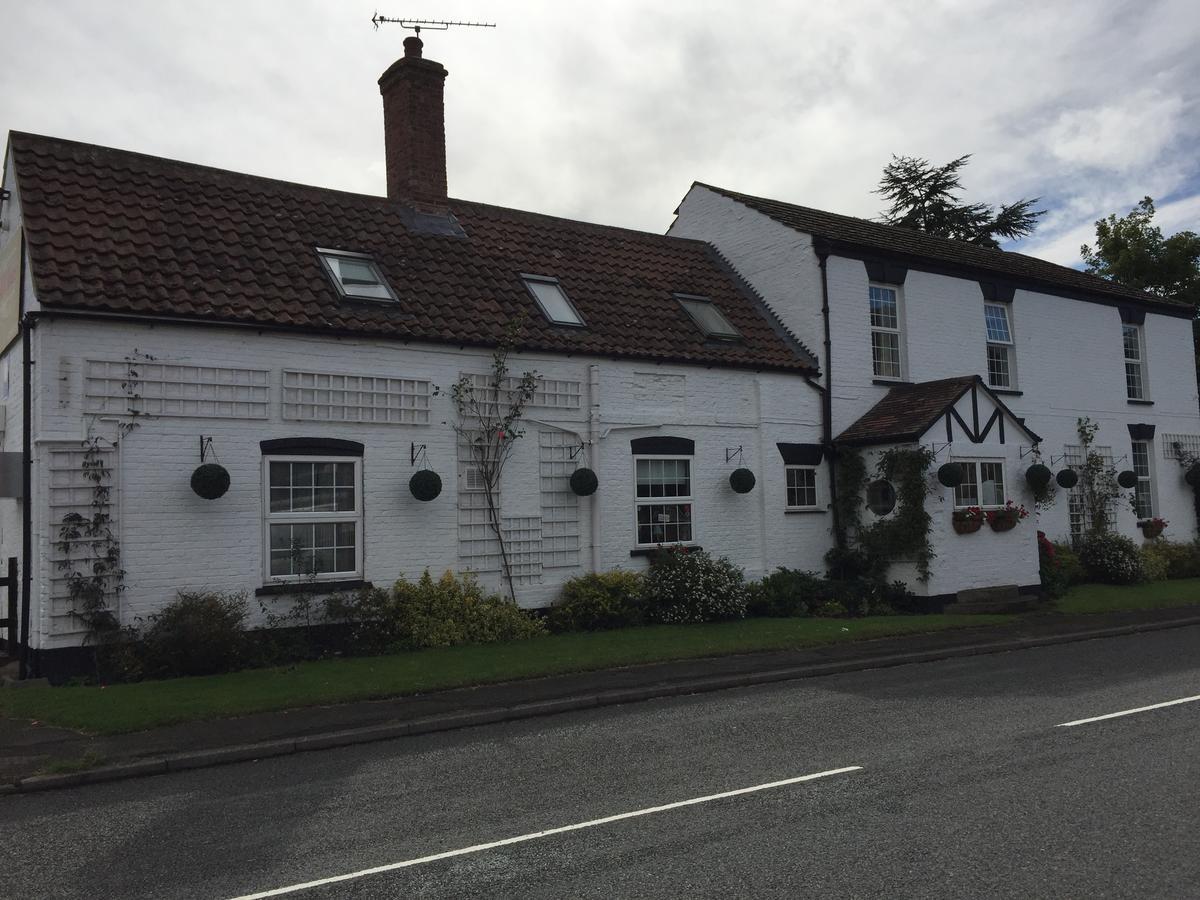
1009, 347
1148, 478
692, 303
326, 254
975, 462
901, 354
1140, 362
663, 501
787, 469
289, 518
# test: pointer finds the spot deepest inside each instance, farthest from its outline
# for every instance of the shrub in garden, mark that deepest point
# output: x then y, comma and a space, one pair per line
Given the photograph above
197, 633
1111, 559
413, 615
1181, 560
1154, 563
785, 593
598, 601
1069, 564
690, 586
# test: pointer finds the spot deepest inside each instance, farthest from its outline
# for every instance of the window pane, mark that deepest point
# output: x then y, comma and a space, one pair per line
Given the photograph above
323, 474
356, 271
345, 560
281, 537
1133, 344
710, 319
302, 473
1133, 381
885, 354
344, 499
281, 474
345, 534
991, 476
281, 499
801, 487
345, 474
967, 493
554, 303
996, 320
1141, 459
883, 308
997, 364
664, 523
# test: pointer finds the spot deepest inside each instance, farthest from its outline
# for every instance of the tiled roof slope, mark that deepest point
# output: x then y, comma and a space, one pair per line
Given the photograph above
109, 230
906, 412
892, 239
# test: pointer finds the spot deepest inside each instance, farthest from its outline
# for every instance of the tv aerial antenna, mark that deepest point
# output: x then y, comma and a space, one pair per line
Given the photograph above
430, 24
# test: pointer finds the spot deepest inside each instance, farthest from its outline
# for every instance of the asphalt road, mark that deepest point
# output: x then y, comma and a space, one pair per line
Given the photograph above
968, 787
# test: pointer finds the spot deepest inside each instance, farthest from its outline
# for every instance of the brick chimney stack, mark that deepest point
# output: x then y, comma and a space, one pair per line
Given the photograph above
414, 129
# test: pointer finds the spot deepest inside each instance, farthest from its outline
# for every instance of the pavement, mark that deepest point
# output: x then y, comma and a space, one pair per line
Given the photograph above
954, 778
27, 749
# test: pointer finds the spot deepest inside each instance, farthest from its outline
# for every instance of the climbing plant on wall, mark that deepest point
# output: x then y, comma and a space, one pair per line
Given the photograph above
489, 424
1097, 486
95, 577
905, 534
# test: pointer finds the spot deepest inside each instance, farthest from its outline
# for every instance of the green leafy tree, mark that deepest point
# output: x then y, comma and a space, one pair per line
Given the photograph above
1132, 251
924, 197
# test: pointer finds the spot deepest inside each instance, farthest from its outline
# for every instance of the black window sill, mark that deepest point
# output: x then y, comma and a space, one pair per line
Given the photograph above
889, 382
654, 551
311, 587
1133, 402
804, 512
1006, 392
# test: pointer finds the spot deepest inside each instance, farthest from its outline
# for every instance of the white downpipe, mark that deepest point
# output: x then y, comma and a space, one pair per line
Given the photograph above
762, 477
594, 458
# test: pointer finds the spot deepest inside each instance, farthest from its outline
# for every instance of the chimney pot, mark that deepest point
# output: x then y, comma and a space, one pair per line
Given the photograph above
414, 130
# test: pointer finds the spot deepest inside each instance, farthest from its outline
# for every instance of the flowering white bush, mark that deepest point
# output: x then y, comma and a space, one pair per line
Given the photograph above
1112, 559
690, 586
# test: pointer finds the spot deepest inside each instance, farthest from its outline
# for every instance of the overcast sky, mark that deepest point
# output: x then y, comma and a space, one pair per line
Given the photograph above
607, 111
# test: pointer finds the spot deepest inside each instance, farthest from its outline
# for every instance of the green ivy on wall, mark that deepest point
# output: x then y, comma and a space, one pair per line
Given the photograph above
905, 534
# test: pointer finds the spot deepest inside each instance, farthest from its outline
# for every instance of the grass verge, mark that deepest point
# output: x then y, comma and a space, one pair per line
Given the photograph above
1102, 598
120, 708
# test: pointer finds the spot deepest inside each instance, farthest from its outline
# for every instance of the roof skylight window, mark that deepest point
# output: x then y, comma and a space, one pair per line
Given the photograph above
355, 275
709, 319
552, 300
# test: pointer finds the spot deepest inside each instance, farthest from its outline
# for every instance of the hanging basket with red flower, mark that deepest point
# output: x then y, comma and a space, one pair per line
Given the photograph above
1152, 528
1006, 517
967, 521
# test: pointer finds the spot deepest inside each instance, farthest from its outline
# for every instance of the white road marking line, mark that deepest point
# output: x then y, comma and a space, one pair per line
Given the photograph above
478, 848
1128, 712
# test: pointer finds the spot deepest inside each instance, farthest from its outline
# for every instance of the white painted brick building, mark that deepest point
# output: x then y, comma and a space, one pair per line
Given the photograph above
1066, 357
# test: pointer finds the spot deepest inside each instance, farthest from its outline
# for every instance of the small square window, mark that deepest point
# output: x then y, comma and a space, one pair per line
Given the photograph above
355, 275
710, 319
552, 300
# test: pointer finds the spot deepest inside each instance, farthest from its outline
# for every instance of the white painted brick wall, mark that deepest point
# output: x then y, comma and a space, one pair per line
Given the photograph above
1069, 357
174, 540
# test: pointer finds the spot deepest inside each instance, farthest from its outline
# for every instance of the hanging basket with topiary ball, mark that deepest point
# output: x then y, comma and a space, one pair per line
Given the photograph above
950, 474
425, 485
1038, 476
1192, 476
210, 481
584, 482
741, 480
1127, 479
1067, 478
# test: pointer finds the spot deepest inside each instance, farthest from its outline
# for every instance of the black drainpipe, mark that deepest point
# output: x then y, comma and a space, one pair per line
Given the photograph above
26, 486
822, 248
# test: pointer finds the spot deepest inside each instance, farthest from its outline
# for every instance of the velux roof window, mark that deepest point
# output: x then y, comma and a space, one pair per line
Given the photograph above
708, 318
552, 300
355, 275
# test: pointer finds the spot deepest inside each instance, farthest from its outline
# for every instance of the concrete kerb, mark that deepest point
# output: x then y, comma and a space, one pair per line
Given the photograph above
455, 721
